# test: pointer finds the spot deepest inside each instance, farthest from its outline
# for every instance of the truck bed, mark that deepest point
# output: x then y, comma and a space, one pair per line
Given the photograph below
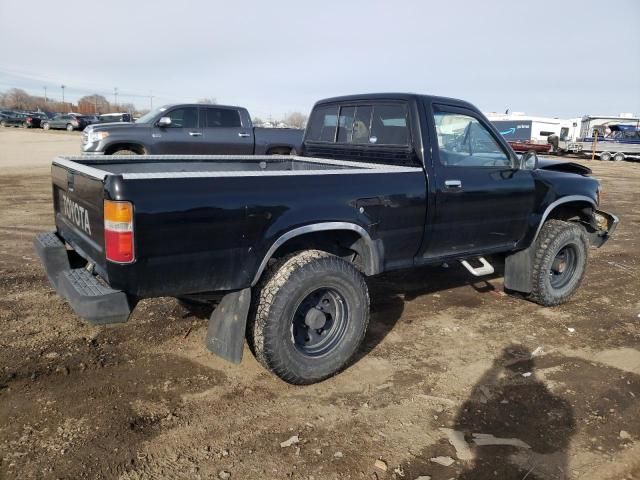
205, 223
181, 166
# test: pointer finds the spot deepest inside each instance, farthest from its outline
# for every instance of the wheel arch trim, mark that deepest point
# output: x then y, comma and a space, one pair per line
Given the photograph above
372, 267
558, 202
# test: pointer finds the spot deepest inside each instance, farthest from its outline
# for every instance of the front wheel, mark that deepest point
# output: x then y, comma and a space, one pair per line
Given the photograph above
560, 262
309, 316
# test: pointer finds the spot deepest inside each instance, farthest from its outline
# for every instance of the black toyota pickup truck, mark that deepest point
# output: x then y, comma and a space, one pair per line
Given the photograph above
190, 129
281, 244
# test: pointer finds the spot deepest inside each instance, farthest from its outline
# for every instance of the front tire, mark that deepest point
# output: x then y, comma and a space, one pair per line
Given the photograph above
309, 316
605, 156
560, 262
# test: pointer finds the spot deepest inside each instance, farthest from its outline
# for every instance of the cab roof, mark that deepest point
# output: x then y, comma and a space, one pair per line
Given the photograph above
407, 97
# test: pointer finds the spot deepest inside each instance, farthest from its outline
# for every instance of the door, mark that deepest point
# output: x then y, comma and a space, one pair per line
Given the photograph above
482, 200
182, 136
59, 121
224, 133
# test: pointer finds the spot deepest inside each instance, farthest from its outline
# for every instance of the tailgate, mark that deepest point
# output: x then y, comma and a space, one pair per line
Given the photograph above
78, 207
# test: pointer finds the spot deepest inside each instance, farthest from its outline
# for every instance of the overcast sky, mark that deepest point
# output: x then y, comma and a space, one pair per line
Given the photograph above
558, 58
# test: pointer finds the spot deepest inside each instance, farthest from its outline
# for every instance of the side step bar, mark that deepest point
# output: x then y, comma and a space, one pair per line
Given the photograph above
485, 269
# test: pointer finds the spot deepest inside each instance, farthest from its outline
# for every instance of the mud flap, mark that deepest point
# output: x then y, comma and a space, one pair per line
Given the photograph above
518, 270
227, 325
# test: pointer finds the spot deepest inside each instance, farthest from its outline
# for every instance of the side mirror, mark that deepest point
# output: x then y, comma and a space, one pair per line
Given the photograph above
529, 161
164, 122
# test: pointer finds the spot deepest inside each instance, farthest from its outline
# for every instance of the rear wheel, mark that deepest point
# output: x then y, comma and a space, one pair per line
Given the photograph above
309, 316
618, 157
3, 123
46, 126
69, 127
560, 262
25, 125
605, 156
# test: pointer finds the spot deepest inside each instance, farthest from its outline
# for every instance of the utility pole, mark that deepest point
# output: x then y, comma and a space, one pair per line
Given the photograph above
150, 100
95, 104
45, 94
62, 87
115, 96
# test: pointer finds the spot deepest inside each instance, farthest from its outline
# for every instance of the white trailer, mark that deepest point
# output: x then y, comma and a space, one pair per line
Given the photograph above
607, 137
520, 127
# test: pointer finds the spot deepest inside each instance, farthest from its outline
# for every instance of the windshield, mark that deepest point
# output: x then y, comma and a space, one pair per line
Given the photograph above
147, 117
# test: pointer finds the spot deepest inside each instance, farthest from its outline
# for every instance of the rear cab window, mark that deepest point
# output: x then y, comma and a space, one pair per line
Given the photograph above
384, 124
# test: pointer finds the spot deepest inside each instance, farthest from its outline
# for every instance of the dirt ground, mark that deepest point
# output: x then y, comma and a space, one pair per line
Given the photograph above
444, 354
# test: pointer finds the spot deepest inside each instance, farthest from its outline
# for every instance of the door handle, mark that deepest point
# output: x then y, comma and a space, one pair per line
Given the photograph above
195, 134
453, 184
244, 135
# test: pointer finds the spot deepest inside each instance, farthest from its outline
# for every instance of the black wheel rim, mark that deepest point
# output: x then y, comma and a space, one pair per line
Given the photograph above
563, 267
319, 322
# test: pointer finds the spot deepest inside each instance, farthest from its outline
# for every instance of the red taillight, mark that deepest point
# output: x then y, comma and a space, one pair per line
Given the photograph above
118, 231
29, 119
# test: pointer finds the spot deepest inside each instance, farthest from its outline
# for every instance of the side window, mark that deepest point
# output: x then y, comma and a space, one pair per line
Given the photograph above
389, 125
322, 124
222, 117
464, 142
184, 117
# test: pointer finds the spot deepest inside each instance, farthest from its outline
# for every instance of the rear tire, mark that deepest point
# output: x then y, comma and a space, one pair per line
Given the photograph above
3, 124
46, 126
309, 315
560, 262
69, 127
618, 157
605, 156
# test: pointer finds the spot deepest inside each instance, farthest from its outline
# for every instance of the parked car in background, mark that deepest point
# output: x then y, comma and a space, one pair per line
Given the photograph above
192, 129
114, 117
35, 119
69, 121
13, 119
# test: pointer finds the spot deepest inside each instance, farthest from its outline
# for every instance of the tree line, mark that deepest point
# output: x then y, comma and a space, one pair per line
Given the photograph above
18, 99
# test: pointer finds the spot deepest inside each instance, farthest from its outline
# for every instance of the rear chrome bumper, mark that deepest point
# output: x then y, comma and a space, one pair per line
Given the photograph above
88, 297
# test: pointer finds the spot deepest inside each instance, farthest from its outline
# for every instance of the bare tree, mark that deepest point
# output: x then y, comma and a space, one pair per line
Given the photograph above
208, 101
93, 104
296, 120
257, 121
